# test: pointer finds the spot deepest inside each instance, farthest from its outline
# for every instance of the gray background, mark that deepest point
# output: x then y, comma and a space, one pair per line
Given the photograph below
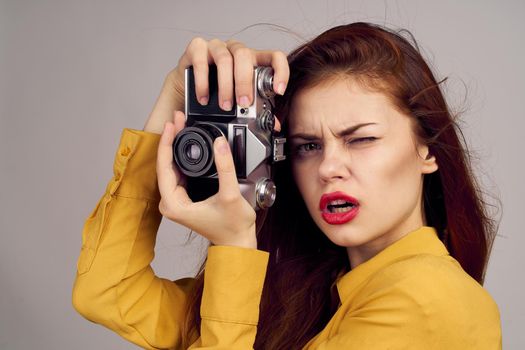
74, 73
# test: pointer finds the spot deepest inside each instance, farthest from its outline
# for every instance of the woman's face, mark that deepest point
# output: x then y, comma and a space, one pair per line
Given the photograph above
358, 166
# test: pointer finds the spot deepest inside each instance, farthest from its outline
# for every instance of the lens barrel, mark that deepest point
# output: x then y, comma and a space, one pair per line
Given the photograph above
193, 150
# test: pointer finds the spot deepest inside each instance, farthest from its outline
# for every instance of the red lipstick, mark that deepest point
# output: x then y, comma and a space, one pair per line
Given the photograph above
338, 208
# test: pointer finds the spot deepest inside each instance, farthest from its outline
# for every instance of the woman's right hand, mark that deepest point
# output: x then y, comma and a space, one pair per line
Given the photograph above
235, 63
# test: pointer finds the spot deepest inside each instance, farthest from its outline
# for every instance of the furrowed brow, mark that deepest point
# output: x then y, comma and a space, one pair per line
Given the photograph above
352, 129
345, 132
303, 136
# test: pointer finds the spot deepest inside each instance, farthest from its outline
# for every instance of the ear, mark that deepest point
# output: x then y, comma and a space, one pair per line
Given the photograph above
428, 161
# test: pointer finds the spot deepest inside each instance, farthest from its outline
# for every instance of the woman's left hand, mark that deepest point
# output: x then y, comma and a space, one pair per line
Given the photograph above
225, 218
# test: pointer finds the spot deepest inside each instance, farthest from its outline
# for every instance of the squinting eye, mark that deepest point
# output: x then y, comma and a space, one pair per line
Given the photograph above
363, 139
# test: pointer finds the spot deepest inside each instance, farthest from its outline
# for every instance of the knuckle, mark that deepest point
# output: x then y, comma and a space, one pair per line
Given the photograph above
201, 87
243, 85
243, 52
166, 210
232, 44
224, 58
216, 42
172, 73
162, 208
197, 42
229, 198
278, 56
200, 62
227, 170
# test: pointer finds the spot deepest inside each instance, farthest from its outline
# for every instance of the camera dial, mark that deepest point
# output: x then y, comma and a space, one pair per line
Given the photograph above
266, 120
265, 193
265, 83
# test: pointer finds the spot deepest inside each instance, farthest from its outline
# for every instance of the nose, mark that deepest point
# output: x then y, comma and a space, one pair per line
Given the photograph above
334, 166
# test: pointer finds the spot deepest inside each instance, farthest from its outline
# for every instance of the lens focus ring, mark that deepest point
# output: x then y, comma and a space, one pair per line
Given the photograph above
193, 150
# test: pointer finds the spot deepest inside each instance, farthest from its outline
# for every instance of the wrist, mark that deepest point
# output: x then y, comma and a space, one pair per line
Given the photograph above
246, 240
154, 126
250, 243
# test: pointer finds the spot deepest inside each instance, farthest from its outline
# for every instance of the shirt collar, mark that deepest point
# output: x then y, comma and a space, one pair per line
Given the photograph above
421, 241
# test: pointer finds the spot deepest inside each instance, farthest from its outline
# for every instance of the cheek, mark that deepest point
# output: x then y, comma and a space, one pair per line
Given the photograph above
297, 170
392, 177
304, 176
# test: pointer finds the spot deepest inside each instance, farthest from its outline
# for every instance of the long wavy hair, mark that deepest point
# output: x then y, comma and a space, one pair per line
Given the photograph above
299, 295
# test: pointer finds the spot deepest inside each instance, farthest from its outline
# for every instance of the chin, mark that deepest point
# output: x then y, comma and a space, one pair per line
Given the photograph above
346, 235
348, 240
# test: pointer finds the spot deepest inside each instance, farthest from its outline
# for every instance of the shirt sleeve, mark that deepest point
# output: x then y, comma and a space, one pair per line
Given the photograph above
233, 283
115, 285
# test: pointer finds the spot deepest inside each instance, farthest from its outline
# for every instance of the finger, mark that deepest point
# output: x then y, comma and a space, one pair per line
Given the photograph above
277, 125
198, 56
166, 177
228, 184
224, 62
243, 63
179, 119
279, 62
171, 182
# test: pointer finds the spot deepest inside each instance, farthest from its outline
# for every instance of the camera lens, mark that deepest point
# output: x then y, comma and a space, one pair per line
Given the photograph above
193, 150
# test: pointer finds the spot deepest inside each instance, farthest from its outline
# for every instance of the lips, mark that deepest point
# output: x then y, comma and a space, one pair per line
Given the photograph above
338, 208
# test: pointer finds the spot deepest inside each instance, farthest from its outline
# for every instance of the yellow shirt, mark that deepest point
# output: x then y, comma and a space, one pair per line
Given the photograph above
412, 295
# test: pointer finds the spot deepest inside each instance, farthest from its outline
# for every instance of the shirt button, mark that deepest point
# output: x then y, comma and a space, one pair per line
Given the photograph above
125, 152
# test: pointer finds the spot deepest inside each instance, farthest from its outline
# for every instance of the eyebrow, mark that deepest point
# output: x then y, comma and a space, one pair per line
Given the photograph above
345, 132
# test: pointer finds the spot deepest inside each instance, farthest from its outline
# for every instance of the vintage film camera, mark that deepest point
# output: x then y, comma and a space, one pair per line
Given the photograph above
249, 132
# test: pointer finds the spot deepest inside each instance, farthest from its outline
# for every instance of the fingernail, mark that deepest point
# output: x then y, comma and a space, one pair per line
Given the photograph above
244, 102
227, 105
281, 88
203, 100
222, 145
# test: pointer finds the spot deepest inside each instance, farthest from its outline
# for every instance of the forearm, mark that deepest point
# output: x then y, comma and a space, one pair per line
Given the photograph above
108, 270
233, 283
170, 99
115, 285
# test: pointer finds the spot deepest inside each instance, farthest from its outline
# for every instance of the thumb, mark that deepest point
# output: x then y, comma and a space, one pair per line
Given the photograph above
228, 184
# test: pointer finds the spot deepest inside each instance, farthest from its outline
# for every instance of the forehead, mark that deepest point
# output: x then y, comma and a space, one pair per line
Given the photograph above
338, 103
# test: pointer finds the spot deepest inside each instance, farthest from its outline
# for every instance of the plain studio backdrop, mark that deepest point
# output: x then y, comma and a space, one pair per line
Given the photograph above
73, 74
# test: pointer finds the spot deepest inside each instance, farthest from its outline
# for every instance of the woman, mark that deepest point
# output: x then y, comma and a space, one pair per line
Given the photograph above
379, 238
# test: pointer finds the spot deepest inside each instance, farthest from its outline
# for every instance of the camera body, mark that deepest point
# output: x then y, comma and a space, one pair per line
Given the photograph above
249, 131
